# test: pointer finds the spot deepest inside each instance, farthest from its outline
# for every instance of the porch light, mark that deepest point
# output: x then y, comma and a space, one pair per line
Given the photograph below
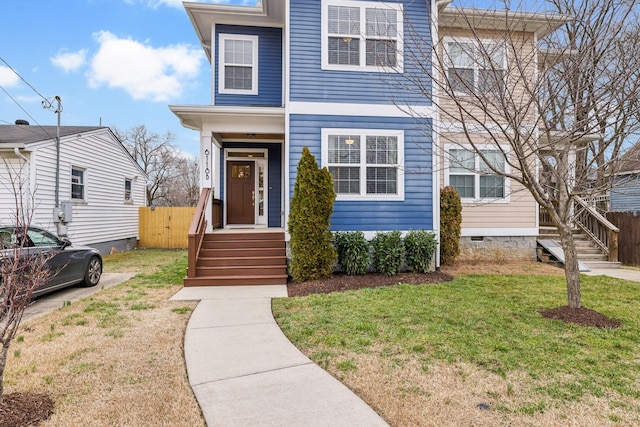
346, 39
349, 141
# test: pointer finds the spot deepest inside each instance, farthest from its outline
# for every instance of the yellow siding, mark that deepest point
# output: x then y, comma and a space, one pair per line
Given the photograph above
165, 227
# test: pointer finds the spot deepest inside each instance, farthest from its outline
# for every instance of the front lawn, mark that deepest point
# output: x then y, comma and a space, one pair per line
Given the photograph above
476, 350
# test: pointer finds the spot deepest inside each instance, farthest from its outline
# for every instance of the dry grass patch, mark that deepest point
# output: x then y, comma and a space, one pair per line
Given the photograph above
440, 394
115, 358
502, 267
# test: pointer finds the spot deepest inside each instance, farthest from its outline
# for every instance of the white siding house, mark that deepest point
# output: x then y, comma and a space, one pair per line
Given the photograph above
100, 184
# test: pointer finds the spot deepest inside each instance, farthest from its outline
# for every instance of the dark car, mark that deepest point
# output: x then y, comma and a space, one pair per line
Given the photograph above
69, 265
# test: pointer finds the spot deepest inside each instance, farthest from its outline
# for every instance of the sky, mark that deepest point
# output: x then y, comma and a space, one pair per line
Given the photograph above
116, 63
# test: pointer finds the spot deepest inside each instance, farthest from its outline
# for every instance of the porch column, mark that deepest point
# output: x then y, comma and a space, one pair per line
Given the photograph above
207, 171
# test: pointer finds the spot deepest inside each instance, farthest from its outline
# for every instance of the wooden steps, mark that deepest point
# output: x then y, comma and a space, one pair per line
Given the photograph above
243, 258
588, 252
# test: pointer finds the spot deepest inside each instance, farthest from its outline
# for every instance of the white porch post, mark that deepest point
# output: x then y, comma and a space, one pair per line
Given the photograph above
207, 171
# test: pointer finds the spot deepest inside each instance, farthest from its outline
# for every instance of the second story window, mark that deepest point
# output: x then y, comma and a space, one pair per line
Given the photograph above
238, 64
475, 66
474, 178
361, 36
77, 183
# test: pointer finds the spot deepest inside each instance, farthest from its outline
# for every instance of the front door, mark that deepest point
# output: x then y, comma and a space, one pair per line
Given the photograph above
241, 192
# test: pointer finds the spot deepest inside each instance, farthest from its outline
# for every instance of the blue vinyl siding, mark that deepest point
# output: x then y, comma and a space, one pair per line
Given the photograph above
274, 178
309, 83
414, 212
269, 67
625, 194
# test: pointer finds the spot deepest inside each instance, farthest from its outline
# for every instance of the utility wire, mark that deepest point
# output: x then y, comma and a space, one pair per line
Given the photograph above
23, 79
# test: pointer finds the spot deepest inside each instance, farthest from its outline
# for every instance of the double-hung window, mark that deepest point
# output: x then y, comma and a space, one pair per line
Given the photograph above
128, 185
77, 183
475, 66
475, 178
361, 36
238, 64
364, 164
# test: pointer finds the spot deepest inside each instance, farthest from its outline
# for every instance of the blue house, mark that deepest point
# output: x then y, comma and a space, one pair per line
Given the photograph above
625, 188
325, 74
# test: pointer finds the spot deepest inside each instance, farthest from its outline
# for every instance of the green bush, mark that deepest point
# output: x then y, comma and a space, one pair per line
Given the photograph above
420, 246
312, 254
388, 252
450, 223
353, 252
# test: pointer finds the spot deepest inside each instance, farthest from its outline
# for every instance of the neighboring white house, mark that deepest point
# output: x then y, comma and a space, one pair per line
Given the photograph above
100, 186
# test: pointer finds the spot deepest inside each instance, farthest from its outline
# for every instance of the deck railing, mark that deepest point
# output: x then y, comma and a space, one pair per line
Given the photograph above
597, 227
196, 231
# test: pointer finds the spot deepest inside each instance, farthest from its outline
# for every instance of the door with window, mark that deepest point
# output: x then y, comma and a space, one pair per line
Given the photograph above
241, 192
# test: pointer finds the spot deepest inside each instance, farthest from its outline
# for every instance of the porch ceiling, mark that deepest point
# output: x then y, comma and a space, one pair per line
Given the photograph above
246, 123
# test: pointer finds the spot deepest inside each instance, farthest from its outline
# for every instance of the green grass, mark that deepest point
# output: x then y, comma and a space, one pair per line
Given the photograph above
491, 321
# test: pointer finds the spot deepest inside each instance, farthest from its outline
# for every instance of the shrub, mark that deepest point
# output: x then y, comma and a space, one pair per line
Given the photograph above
353, 252
388, 252
312, 254
450, 221
420, 246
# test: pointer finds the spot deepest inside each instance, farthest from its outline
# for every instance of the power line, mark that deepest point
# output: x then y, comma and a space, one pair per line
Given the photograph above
23, 79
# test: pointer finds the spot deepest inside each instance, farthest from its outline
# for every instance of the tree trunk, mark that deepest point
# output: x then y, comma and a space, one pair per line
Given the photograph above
571, 267
4, 350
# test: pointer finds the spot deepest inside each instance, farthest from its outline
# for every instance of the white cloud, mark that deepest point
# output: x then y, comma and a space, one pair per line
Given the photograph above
7, 77
144, 72
70, 61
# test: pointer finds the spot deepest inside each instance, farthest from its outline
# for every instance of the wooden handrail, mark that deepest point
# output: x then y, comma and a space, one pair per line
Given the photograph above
196, 231
597, 227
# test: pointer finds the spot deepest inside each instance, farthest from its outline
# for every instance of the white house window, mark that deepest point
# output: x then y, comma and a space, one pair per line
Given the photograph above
127, 190
475, 66
364, 164
77, 183
238, 64
473, 178
362, 36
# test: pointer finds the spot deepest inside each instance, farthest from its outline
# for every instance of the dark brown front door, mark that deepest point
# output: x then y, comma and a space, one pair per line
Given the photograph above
241, 192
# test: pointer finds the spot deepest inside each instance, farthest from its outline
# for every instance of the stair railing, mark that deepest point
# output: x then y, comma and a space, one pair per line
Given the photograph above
196, 231
597, 227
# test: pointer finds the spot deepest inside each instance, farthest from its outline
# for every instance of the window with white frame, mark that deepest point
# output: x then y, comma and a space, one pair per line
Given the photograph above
364, 164
475, 66
361, 36
238, 64
475, 178
128, 185
77, 183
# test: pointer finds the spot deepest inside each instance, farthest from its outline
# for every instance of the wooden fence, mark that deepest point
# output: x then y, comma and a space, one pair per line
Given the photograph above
164, 227
629, 237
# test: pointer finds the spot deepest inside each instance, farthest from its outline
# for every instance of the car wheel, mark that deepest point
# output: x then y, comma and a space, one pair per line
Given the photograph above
93, 273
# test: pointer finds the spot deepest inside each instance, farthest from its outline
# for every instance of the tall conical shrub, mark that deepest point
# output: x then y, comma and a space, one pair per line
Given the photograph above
312, 254
450, 224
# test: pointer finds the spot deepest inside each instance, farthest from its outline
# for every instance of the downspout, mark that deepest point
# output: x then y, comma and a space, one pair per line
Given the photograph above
18, 154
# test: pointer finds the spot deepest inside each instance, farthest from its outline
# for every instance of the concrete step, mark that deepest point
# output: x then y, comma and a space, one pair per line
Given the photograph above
236, 280
602, 264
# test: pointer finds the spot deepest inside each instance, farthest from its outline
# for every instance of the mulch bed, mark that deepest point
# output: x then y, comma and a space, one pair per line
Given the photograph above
343, 282
581, 316
25, 409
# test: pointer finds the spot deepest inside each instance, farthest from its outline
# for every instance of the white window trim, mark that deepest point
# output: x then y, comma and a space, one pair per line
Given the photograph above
362, 67
130, 199
476, 182
476, 67
84, 183
363, 133
222, 38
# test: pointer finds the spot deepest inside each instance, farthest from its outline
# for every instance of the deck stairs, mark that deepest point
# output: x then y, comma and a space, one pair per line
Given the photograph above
588, 252
241, 258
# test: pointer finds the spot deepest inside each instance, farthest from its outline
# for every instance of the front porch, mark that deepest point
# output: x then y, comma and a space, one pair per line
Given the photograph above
241, 255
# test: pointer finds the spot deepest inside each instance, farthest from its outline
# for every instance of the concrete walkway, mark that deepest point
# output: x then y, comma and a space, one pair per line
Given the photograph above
619, 273
245, 372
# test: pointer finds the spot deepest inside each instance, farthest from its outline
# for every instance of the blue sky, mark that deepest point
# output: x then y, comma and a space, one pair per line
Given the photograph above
115, 62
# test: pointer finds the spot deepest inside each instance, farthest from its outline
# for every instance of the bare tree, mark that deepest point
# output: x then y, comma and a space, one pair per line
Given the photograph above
155, 154
563, 105
21, 272
184, 189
